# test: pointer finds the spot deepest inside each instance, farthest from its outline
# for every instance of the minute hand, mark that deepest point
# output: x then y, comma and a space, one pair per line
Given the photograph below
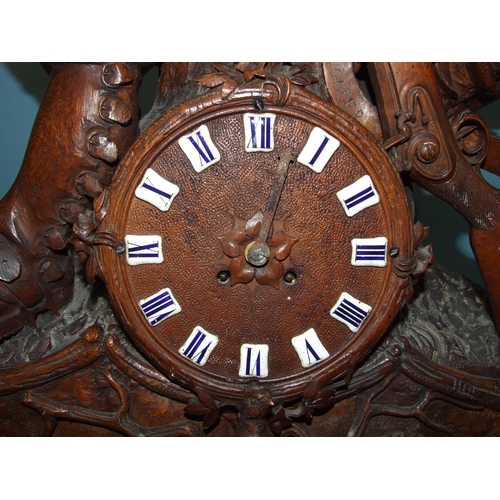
275, 195
257, 252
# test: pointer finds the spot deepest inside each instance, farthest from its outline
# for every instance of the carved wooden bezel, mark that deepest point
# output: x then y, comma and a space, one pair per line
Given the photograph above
295, 103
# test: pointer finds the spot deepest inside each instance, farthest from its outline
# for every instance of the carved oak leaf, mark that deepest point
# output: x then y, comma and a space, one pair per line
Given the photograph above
303, 80
420, 232
211, 418
205, 406
296, 73
81, 248
227, 76
212, 415
196, 409
252, 70
211, 80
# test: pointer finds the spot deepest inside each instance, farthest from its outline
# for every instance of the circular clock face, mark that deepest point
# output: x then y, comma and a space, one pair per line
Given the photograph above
257, 245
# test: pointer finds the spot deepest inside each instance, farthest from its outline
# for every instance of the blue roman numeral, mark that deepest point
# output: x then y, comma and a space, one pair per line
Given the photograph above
199, 148
193, 350
358, 198
309, 348
259, 131
311, 351
255, 369
264, 132
319, 151
159, 307
199, 346
143, 249
350, 313
202, 147
154, 189
253, 360
370, 252
138, 251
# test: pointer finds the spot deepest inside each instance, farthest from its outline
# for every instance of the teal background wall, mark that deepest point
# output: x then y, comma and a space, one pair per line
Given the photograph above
21, 89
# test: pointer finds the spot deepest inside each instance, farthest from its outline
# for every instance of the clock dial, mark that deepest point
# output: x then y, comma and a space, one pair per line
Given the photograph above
263, 246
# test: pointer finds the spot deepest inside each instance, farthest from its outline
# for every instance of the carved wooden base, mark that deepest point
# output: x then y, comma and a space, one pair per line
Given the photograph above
79, 375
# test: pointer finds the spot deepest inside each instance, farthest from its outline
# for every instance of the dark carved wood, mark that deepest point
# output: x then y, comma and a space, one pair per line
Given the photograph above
74, 360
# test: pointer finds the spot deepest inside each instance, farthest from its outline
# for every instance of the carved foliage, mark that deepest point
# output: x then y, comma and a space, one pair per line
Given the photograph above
235, 242
280, 75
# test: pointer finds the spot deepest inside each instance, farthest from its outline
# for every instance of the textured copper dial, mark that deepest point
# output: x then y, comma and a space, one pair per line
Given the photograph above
233, 319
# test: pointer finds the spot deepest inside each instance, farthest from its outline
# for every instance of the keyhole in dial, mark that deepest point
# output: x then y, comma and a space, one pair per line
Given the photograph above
223, 276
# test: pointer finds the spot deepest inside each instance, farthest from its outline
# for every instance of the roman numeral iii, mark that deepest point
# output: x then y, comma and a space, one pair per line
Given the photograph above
369, 252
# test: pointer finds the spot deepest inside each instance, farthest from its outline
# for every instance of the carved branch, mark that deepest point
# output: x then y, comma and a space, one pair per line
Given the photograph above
456, 384
87, 120
119, 421
76, 356
413, 411
364, 416
145, 375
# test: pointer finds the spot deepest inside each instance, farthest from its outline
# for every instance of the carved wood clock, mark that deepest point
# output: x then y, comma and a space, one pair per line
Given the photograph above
258, 236
257, 241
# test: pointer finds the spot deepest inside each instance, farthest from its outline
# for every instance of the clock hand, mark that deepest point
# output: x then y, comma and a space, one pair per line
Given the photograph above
257, 252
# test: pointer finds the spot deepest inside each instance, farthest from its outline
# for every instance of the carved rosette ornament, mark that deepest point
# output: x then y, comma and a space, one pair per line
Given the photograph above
257, 245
